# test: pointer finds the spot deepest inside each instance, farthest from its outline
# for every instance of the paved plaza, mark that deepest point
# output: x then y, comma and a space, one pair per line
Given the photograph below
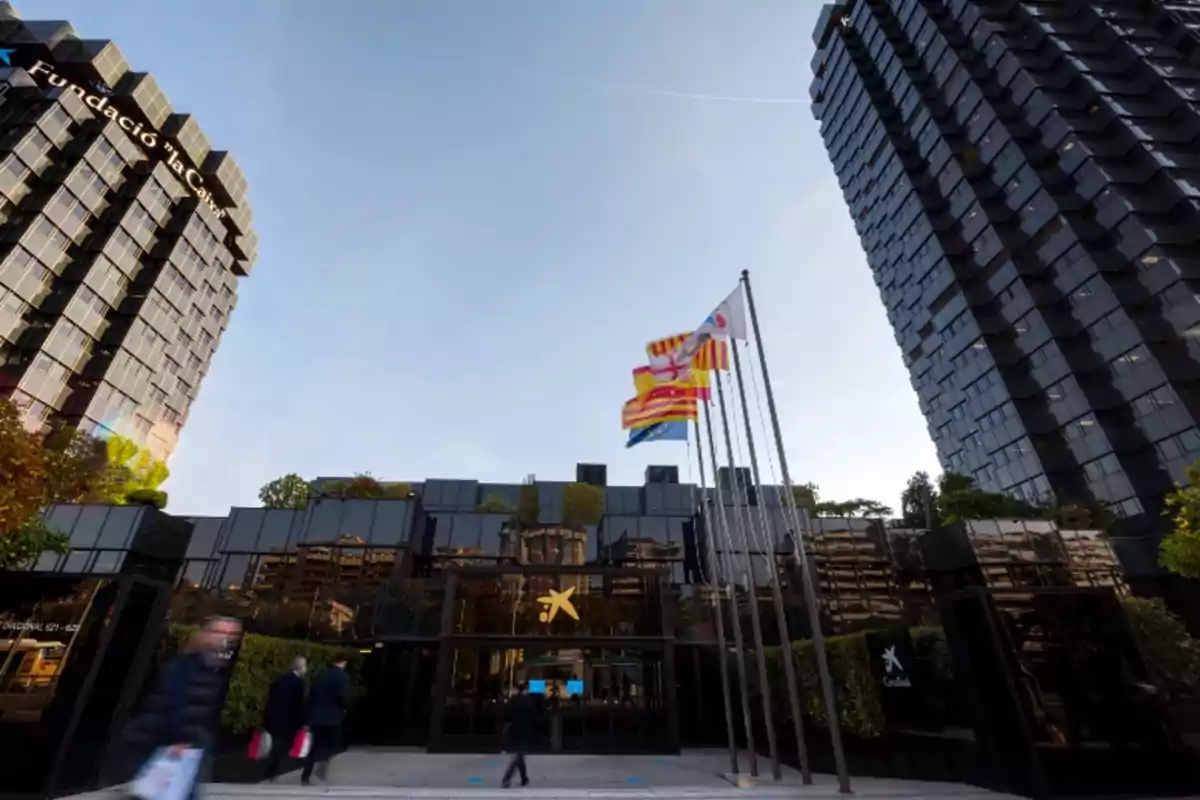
397, 773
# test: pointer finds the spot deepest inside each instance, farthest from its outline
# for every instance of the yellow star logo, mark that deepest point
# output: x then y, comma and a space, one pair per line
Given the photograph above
556, 601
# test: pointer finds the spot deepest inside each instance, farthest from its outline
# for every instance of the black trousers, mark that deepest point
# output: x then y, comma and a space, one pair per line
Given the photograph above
324, 745
281, 743
517, 762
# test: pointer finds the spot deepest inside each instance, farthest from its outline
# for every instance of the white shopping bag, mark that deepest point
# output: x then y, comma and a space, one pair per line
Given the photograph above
301, 744
167, 777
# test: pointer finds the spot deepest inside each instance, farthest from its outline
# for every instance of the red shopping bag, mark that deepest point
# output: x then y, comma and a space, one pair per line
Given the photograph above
301, 744
260, 745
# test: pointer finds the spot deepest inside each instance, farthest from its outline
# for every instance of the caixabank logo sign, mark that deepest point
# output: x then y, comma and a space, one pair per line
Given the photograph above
99, 97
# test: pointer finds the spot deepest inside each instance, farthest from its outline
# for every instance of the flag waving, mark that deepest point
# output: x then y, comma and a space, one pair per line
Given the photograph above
727, 321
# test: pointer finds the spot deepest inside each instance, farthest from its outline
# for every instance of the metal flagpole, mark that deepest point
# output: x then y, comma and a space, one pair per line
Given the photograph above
741, 517
810, 592
722, 650
785, 643
738, 644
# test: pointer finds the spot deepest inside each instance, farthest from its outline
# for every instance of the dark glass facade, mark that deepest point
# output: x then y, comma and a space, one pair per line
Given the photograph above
613, 623
1025, 182
123, 235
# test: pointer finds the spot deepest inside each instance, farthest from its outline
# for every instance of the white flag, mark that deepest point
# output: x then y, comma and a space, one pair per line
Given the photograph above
727, 321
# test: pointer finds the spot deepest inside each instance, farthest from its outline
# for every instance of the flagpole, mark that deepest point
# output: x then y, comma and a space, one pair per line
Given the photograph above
741, 515
722, 650
738, 642
810, 593
785, 643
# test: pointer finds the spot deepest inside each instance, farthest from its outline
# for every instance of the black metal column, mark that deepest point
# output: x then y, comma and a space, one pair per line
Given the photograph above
670, 703
441, 681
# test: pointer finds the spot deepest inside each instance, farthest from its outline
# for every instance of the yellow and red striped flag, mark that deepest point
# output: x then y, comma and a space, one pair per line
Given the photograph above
713, 354
661, 404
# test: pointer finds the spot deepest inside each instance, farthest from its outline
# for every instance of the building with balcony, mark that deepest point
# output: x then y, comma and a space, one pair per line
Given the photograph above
123, 235
1022, 177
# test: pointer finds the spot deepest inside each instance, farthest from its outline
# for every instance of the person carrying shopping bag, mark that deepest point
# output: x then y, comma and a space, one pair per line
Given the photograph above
286, 713
328, 700
180, 720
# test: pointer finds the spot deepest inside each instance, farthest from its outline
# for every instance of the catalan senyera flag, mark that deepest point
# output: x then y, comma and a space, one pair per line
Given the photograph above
714, 354
666, 403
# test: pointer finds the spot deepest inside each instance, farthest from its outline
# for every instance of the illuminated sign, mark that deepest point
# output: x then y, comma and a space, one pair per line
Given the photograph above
154, 143
555, 602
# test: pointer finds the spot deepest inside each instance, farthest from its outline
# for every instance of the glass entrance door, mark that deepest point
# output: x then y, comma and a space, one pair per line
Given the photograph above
590, 699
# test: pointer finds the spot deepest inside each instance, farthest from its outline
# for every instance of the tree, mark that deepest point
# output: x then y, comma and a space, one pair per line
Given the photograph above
807, 496
492, 504
135, 464
582, 504
918, 502
401, 490
873, 508
365, 487
1172, 656
288, 491
29, 542
960, 498
22, 471
858, 507
1180, 550
528, 504
147, 497
68, 467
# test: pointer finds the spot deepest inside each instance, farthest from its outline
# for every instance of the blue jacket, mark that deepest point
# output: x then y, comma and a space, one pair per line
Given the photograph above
186, 707
329, 698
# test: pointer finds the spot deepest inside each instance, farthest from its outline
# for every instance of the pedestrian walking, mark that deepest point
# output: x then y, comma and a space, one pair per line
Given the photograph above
286, 713
184, 711
522, 726
327, 703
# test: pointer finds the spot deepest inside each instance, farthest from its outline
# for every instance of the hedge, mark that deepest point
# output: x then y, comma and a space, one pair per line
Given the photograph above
1171, 655
1172, 658
855, 689
261, 660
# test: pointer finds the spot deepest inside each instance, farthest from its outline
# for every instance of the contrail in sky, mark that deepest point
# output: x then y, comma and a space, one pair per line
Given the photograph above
622, 87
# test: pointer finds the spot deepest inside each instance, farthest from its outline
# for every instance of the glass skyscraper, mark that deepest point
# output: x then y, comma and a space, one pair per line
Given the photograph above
1025, 181
123, 235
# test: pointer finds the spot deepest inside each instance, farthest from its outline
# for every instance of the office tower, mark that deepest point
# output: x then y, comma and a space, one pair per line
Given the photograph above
1025, 180
123, 235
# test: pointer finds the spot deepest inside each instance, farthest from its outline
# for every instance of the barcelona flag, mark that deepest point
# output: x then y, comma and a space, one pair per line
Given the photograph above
713, 354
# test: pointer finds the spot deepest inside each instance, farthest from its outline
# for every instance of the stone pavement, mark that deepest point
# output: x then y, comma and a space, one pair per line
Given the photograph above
399, 774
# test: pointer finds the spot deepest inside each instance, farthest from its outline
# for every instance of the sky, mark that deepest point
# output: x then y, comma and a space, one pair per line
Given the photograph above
472, 215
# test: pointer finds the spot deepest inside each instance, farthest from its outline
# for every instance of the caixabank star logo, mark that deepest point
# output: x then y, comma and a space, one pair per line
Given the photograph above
557, 601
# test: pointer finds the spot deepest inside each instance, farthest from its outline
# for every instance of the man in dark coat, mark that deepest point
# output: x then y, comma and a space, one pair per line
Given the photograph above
327, 703
285, 713
522, 726
185, 710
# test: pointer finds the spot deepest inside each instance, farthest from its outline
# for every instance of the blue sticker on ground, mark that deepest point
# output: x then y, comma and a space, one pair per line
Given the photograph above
474, 780
491, 763
633, 780
660, 761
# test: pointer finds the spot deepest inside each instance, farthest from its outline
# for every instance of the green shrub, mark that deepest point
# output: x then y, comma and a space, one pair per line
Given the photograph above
261, 660
856, 691
930, 647
1172, 656
860, 711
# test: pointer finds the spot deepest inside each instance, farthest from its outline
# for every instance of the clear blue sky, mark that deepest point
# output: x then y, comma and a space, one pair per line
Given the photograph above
472, 215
